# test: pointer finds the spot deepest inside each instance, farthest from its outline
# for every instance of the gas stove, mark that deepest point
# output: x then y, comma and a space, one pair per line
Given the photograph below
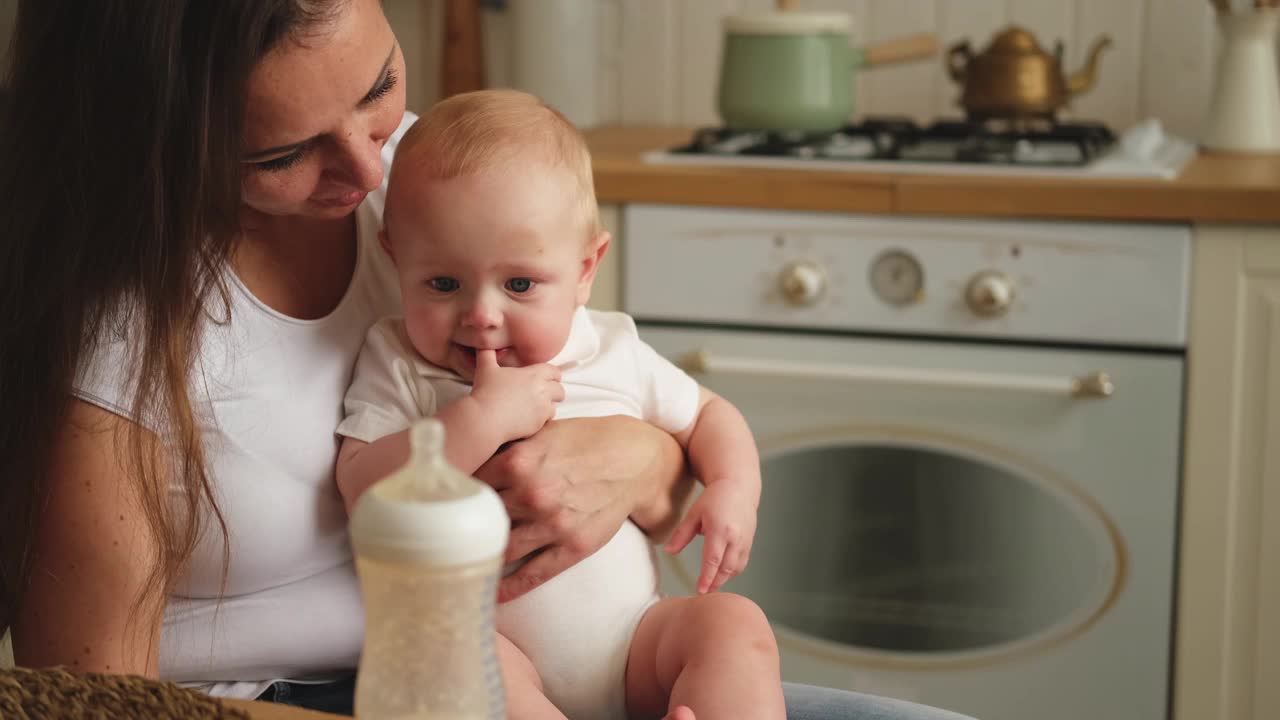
891, 144
948, 141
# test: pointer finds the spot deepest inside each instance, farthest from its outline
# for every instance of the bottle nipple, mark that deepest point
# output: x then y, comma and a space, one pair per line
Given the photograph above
427, 476
427, 510
426, 441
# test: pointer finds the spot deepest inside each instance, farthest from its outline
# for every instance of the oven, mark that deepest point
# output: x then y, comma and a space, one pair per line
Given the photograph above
969, 434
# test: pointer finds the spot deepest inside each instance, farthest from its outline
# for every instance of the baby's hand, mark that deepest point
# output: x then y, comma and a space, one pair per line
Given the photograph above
725, 515
521, 399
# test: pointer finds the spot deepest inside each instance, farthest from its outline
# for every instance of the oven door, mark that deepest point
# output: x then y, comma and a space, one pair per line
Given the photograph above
981, 527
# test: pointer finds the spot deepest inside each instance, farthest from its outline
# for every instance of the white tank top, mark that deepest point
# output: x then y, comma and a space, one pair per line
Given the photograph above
268, 390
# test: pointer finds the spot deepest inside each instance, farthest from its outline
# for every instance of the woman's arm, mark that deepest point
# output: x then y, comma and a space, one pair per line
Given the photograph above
570, 487
85, 607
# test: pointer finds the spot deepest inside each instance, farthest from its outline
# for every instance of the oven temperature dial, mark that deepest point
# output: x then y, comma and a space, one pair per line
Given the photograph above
802, 283
990, 293
897, 278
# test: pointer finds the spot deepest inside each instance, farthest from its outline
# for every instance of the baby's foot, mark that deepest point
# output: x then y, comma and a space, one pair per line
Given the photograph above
680, 713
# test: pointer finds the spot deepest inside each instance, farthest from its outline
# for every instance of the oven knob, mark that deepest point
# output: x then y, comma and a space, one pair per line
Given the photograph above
990, 293
802, 283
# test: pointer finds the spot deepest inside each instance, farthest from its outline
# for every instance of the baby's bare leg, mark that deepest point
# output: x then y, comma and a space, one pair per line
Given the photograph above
525, 700
714, 653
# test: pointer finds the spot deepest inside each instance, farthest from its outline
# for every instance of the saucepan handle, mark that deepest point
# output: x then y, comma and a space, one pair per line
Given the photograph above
902, 49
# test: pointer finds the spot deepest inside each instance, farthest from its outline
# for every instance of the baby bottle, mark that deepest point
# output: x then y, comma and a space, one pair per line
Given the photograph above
428, 541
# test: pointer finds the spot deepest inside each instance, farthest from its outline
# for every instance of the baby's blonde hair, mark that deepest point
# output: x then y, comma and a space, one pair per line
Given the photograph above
470, 133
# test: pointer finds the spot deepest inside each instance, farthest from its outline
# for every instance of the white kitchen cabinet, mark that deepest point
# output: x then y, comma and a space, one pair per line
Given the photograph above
1228, 629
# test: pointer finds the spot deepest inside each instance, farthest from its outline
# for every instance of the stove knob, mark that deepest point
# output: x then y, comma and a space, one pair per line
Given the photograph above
990, 293
802, 283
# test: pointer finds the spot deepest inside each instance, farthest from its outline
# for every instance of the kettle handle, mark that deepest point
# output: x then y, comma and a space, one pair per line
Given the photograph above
958, 58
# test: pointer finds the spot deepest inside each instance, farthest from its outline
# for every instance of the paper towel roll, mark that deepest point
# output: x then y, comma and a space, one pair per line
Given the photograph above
553, 54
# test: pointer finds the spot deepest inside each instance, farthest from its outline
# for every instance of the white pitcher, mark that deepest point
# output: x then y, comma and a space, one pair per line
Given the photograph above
1244, 115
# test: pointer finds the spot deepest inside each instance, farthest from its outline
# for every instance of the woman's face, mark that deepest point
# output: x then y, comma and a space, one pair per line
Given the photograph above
318, 112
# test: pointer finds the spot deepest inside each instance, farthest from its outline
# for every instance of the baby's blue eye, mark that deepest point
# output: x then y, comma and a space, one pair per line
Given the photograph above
443, 284
520, 285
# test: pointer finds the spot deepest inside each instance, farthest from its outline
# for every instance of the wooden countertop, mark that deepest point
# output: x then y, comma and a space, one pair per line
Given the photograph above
1213, 188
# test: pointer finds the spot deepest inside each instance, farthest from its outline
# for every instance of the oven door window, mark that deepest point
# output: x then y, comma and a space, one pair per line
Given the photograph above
926, 553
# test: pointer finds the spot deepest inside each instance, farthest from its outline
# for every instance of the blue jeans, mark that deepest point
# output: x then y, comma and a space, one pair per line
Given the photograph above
804, 702
810, 702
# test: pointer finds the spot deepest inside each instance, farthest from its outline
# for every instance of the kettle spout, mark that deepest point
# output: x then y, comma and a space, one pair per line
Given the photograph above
1085, 77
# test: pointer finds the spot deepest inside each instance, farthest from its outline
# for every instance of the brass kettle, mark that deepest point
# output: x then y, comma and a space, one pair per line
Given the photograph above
1015, 79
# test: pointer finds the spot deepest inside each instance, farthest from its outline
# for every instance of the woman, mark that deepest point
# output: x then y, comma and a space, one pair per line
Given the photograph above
193, 192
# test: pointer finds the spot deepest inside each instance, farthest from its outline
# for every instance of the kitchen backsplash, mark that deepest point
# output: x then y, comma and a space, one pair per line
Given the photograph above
657, 60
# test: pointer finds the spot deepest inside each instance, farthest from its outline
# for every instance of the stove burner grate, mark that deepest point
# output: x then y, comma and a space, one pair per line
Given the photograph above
943, 141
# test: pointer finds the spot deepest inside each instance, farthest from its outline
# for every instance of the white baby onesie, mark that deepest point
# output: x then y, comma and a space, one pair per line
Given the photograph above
577, 627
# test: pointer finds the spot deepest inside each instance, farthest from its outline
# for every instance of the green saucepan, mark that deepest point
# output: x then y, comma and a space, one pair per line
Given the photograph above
793, 71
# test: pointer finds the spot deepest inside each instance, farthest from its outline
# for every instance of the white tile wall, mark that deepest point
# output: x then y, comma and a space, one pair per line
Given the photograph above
658, 59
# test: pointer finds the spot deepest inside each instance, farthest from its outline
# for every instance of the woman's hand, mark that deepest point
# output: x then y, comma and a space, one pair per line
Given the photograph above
570, 487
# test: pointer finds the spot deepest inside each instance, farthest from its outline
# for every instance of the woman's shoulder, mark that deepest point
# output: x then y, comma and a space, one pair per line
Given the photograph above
106, 372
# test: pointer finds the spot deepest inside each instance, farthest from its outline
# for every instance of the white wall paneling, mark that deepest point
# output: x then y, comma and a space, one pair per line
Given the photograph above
609, 46
497, 55
1177, 62
701, 43
909, 88
648, 75
658, 60
1050, 20
1116, 98
972, 21
418, 25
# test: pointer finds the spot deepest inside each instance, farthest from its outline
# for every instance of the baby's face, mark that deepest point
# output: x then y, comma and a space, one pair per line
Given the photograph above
494, 261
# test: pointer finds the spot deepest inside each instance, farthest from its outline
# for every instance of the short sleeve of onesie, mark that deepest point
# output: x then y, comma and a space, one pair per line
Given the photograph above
386, 394
669, 396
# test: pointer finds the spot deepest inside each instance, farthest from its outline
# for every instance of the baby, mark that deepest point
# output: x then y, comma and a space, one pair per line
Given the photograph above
492, 224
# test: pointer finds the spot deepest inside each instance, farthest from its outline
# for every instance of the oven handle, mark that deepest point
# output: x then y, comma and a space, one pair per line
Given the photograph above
1092, 385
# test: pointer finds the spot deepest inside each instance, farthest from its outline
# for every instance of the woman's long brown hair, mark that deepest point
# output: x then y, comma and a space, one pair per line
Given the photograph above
120, 146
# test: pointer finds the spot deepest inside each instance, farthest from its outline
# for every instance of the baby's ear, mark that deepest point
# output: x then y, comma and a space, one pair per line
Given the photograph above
596, 250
